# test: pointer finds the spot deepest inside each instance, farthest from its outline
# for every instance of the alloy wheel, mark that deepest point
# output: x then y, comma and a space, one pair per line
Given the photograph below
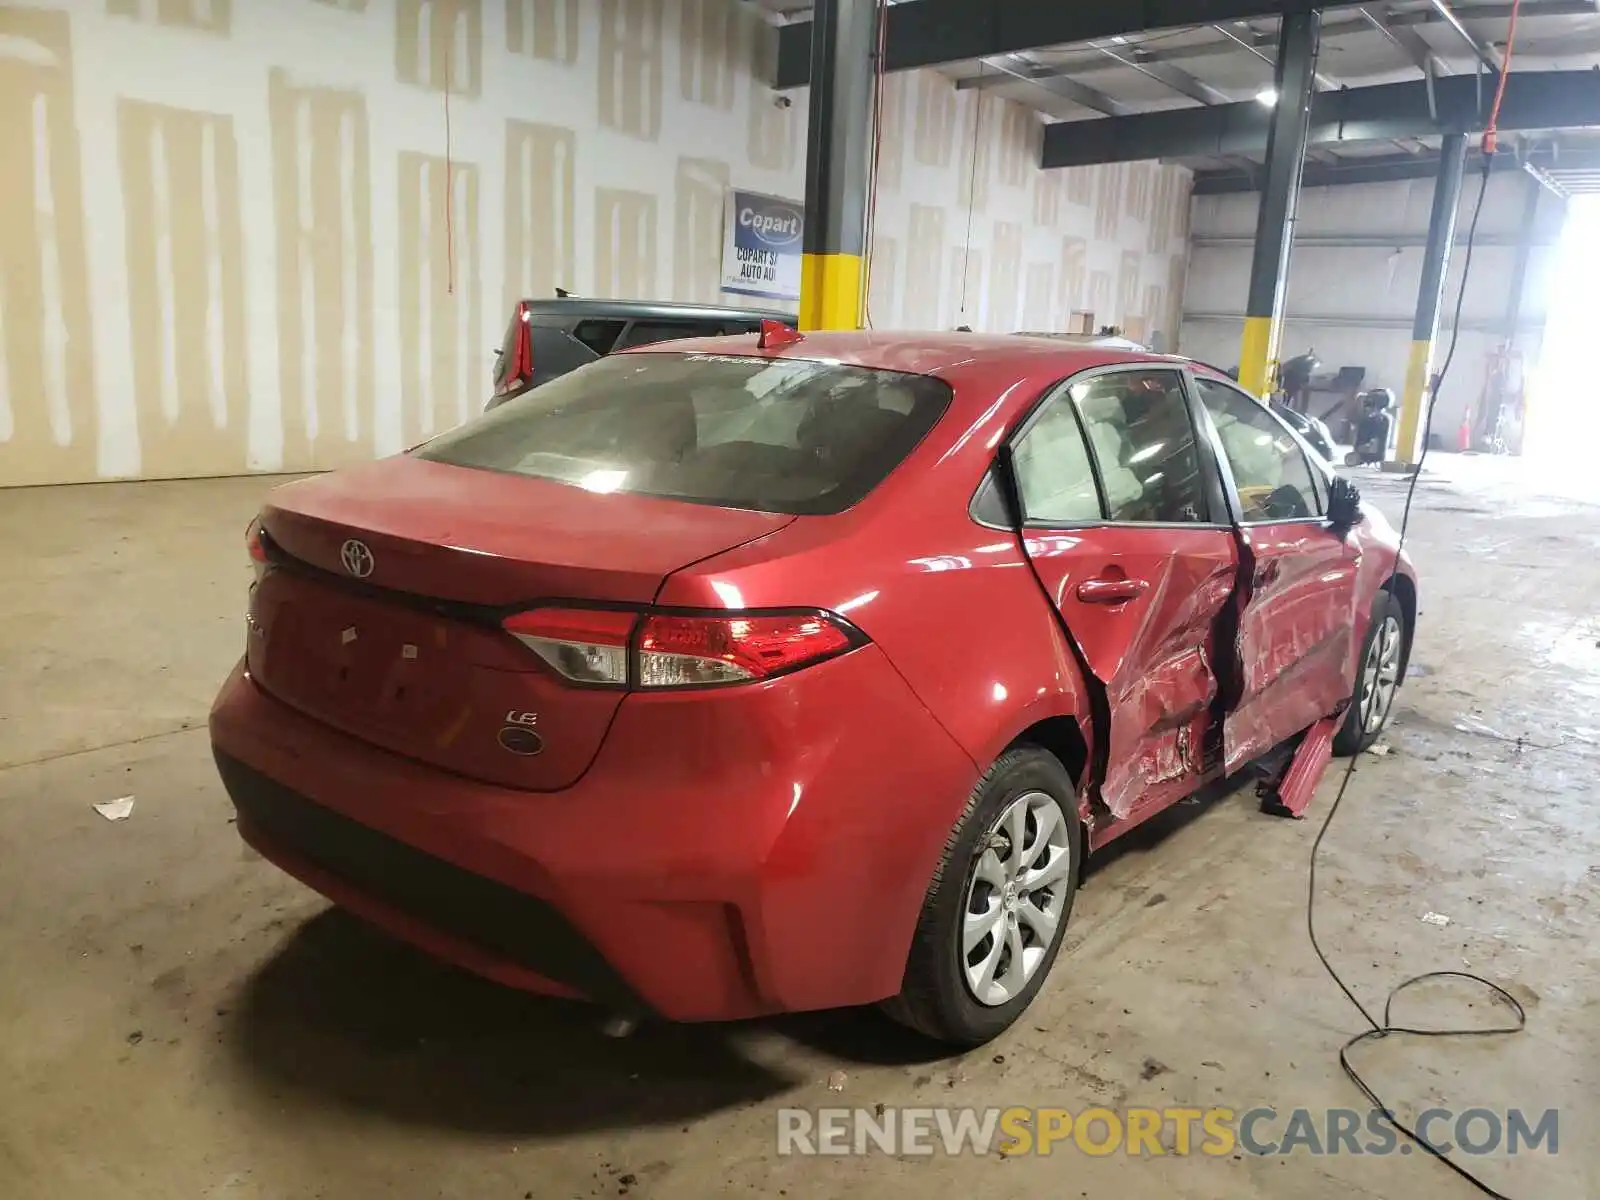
1380, 675
1016, 894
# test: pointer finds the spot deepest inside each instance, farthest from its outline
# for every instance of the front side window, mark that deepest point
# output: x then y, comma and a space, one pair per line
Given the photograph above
1269, 468
1053, 471
1138, 424
778, 435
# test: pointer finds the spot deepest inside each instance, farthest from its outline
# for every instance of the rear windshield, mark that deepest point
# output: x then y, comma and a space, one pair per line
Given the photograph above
779, 435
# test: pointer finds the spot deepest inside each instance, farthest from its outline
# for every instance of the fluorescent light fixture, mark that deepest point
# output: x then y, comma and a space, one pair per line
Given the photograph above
1267, 96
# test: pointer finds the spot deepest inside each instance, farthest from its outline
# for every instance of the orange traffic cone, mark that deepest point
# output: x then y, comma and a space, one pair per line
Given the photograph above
1464, 434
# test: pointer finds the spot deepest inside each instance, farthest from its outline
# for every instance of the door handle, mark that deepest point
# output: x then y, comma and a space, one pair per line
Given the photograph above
1111, 591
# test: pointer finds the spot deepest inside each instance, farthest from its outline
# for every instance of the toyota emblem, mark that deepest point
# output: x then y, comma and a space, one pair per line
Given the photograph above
357, 559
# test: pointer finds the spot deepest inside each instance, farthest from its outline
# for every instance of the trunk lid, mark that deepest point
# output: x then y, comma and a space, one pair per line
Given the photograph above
399, 643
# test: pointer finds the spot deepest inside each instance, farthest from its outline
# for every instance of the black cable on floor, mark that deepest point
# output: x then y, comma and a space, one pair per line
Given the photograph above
1378, 1031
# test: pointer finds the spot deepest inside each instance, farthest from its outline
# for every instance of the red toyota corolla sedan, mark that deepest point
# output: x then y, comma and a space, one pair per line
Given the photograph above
747, 675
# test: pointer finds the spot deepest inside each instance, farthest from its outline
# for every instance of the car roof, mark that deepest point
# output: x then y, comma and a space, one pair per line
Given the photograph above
582, 306
990, 360
1106, 340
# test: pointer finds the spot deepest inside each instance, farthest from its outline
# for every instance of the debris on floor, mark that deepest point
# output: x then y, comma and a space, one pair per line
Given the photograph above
1433, 918
1380, 749
116, 810
837, 1080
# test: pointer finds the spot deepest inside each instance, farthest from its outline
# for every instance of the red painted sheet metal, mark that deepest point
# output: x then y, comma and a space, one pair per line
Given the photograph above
1299, 783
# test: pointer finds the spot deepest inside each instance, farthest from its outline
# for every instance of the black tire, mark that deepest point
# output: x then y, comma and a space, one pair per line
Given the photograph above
1352, 738
935, 997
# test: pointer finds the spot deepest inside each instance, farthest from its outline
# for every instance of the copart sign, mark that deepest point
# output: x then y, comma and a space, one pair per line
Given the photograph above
761, 253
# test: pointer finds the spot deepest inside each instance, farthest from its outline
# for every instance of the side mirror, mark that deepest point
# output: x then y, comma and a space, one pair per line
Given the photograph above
1344, 505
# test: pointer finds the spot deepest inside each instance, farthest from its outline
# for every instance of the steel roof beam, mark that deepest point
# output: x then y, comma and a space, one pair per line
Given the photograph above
928, 33
1087, 60
1013, 68
1534, 100
1406, 39
1483, 53
1163, 72
1392, 168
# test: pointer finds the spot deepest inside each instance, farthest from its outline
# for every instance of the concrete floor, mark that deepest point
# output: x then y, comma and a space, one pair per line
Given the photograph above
178, 1020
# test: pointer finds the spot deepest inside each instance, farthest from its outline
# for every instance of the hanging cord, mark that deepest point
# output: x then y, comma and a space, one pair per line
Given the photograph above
449, 189
872, 166
972, 187
1378, 1031
1491, 141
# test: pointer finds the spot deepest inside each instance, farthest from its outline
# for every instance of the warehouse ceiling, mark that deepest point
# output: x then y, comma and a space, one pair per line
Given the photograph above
1195, 66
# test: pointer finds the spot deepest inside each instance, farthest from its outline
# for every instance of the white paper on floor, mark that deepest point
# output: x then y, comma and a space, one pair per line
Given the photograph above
116, 810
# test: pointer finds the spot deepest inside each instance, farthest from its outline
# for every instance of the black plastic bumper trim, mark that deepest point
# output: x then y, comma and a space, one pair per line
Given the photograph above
507, 923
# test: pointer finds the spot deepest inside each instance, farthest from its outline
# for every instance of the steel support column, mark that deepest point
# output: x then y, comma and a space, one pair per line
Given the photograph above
1435, 265
1295, 82
843, 46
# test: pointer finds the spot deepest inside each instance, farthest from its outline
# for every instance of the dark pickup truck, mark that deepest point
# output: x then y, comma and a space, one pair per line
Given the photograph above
548, 338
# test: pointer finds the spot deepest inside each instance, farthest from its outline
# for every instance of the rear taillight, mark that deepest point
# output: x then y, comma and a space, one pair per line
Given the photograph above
584, 645
520, 369
255, 544
676, 650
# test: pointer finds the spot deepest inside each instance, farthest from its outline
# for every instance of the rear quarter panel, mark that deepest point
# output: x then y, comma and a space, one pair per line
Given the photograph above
952, 604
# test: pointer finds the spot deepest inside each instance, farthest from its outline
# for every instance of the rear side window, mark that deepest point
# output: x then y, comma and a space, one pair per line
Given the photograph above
779, 435
1269, 469
1053, 471
1138, 423
646, 333
599, 336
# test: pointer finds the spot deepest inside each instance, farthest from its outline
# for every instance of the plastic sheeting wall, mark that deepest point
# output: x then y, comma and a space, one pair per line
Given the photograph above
1355, 274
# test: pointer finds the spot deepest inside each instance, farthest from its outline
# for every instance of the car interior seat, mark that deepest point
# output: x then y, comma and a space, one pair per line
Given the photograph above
1105, 412
842, 429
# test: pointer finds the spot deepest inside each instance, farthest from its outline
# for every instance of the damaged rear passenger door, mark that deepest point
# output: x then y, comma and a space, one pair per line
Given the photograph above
1295, 608
1125, 524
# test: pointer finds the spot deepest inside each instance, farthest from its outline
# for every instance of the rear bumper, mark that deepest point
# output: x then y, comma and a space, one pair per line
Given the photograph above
726, 855
457, 915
